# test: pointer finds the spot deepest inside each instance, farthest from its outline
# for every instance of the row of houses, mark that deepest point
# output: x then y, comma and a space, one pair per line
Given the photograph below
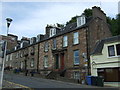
65, 50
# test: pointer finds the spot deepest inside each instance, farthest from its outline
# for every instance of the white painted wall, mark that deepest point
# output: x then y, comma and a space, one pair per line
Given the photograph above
103, 60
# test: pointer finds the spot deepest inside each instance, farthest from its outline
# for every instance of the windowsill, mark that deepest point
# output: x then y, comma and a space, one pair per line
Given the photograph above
75, 44
65, 46
45, 51
45, 67
54, 48
32, 66
76, 64
113, 56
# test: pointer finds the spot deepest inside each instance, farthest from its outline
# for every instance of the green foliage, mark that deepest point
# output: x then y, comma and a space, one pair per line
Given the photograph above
118, 23
73, 19
88, 12
59, 25
114, 23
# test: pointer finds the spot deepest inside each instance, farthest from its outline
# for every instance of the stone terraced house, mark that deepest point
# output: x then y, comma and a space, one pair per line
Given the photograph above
62, 51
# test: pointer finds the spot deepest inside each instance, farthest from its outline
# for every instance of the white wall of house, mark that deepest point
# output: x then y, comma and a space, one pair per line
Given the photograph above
103, 60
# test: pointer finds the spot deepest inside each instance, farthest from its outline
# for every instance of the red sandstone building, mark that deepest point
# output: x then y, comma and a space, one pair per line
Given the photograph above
62, 51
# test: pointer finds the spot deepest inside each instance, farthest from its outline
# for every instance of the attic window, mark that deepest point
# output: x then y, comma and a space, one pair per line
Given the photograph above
52, 32
81, 20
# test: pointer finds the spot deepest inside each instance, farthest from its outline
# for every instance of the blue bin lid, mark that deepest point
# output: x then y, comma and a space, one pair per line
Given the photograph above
89, 76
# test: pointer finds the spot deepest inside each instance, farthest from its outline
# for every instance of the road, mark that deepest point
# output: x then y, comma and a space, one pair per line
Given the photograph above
34, 82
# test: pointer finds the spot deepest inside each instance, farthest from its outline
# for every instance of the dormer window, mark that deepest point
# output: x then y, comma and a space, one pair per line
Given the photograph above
31, 41
15, 47
38, 38
52, 32
81, 20
21, 45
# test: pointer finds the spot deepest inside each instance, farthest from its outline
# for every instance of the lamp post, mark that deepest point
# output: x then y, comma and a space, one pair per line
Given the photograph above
9, 20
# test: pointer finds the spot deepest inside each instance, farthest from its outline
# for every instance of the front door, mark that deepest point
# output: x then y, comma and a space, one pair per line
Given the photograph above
57, 61
62, 61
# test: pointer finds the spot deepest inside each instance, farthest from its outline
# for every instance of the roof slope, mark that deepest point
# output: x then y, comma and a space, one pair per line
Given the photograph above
100, 44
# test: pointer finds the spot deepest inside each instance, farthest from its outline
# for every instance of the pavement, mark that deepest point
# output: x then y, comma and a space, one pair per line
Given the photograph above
112, 84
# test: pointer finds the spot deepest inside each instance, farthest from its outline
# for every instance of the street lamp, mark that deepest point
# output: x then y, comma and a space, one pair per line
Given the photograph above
9, 20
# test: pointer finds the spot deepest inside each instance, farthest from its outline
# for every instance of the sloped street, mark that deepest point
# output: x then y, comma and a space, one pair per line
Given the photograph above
37, 83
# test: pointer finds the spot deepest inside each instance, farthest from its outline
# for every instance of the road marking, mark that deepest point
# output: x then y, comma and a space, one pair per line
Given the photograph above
19, 85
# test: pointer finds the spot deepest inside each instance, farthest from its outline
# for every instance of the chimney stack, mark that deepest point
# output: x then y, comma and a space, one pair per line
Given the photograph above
97, 12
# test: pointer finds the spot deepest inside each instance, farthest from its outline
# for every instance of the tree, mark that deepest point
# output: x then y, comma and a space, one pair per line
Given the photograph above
88, 12
73, 19
118, 24
114, 23
59, 25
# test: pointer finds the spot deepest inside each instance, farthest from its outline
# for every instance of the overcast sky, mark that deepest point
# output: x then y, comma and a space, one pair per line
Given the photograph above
31, 18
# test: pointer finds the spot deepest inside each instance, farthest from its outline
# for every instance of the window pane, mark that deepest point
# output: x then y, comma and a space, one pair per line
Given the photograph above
65, 41
75, 34
77, 75
76, 53
76, 57
46, 46
111, 50
76, 41
75, 38
46, 61
32, 62
118, 49
54, 43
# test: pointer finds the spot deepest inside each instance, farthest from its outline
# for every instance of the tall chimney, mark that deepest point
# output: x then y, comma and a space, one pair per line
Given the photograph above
97, 12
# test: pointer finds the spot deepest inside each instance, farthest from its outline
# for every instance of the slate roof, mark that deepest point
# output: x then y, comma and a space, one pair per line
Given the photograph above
68, 28
100, 44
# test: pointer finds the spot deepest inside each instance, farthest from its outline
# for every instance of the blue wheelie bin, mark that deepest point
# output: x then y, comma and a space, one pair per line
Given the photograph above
89, 80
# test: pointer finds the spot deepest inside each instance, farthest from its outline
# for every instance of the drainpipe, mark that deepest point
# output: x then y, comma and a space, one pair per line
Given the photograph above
87, 49
38, 59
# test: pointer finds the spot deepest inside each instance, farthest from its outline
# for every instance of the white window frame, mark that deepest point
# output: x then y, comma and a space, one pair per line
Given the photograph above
52, 32
21, 45
109, 51
21, 54
116, 49
7, 58
32, 62
75, 38
54, 43
46, 47
17, 55
76, 57
65, 41
77, 75
11, 55
21, 65
46, 61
